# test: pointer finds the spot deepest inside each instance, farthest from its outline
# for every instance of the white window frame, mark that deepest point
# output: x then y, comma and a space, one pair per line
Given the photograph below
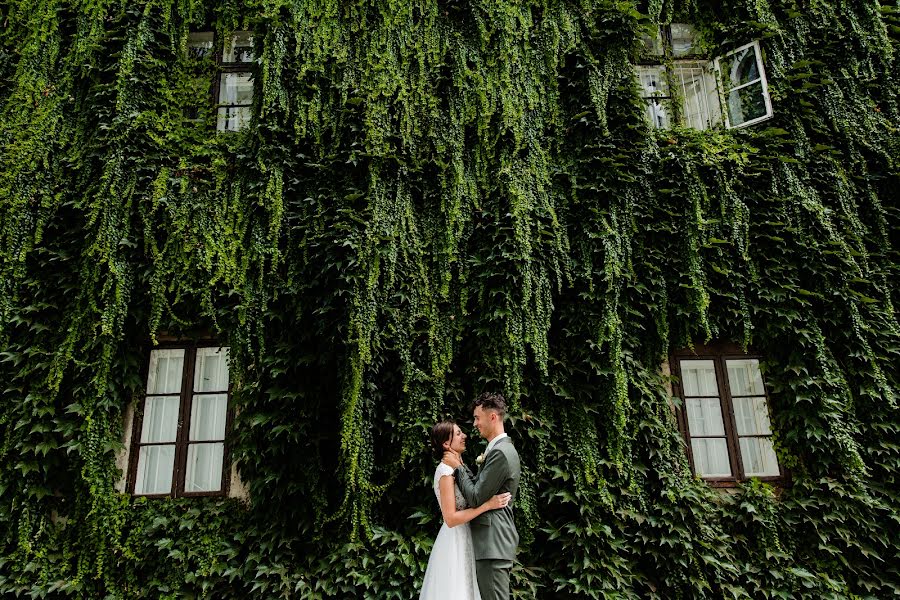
723, 93
706, 77
676, 70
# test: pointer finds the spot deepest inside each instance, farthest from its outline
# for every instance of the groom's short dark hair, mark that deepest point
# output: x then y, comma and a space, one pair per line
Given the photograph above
492, 401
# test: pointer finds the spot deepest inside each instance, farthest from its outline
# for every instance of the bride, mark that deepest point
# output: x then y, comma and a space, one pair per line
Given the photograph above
451, 567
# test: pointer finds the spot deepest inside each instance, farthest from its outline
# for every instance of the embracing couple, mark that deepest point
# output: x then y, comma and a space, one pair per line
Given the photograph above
474, 550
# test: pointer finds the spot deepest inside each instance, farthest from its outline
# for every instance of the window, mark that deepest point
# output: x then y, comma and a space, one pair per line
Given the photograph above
699, 96
200, 45
199, 55
725, 416
232, 93
746, 90
179, 435
681, 39
695, 87
677, 88
655, 93
235, 86
675, 40
239, 48
680, 88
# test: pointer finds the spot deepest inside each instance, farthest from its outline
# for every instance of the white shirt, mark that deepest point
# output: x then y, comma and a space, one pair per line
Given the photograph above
493, 442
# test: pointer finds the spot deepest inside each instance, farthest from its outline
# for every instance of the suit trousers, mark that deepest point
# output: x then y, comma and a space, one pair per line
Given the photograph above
493, 578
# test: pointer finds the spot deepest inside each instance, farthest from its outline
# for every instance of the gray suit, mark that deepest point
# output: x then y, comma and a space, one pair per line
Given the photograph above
494, 535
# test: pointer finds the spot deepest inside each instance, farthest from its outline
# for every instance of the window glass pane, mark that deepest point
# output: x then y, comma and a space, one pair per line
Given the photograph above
705, 416
208, 417
204, 468
698, 378
658, 113
698, 91
741, 67
154, 470
200, 44
653, 45
653, 81
744, 377
239, 48
710, 457
165, 371
160, 419
682, 39
746, 104
752, 416
758, 457
233, 118
211, 370
236, 88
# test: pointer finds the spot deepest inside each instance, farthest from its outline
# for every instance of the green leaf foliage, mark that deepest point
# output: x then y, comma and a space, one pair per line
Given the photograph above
434, 199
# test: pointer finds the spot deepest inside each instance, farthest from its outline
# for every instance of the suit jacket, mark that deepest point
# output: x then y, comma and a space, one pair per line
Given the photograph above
494, 534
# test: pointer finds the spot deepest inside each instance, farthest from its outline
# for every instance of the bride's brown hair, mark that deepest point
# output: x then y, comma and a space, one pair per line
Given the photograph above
440, 433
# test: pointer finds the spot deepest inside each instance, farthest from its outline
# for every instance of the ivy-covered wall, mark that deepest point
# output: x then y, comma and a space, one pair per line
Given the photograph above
436, 198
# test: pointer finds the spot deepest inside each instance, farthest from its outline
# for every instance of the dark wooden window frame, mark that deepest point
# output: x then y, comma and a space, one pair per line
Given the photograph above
719, 354
182, 432
222, 67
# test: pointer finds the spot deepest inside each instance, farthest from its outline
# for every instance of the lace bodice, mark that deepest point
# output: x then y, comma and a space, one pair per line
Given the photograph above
442, 470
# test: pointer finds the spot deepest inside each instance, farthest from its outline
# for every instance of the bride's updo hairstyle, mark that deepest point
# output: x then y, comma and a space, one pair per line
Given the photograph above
440, 433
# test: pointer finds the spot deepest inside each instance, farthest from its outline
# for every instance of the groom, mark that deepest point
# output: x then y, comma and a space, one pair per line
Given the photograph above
494, 535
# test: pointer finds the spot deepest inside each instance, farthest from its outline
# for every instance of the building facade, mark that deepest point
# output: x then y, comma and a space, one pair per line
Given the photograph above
252, 251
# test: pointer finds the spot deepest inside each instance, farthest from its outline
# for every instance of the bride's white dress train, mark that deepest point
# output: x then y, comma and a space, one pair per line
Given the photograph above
451, 567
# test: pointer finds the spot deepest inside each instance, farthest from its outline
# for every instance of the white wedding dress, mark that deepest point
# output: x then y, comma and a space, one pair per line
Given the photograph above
451, 567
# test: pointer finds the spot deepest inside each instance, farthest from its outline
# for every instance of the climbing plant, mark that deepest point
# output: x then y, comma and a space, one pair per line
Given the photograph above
433, 199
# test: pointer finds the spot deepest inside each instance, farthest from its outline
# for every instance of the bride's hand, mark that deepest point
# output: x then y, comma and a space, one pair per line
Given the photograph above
499, 501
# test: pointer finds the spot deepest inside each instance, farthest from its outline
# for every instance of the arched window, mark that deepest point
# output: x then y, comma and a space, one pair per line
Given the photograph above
724, 414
